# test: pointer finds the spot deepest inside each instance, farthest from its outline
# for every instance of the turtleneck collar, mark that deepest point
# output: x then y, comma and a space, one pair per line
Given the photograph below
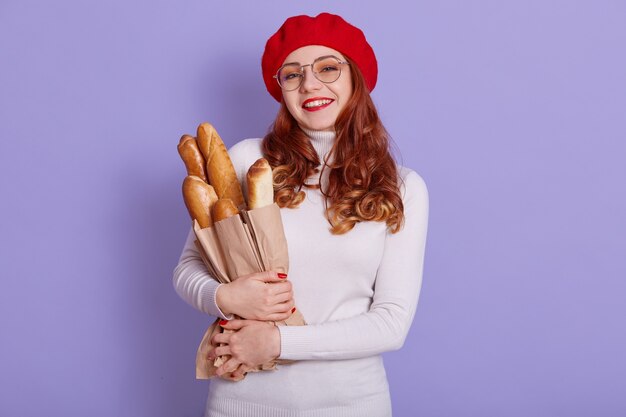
321, 140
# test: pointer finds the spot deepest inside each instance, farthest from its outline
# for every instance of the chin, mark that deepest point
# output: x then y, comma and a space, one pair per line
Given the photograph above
320, 126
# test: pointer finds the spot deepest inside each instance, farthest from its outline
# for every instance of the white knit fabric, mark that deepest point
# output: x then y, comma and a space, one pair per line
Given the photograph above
358, 293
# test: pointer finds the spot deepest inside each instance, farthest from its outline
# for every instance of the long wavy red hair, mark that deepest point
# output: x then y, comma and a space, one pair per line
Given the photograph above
363, 177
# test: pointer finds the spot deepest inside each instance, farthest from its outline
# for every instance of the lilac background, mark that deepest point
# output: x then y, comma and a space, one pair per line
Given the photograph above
513, 112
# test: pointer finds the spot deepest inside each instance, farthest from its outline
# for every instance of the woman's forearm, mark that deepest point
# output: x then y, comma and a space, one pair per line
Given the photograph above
194, 284
264, 296
398, 282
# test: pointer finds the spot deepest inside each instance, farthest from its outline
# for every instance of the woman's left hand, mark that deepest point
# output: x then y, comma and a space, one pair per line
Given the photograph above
251, 344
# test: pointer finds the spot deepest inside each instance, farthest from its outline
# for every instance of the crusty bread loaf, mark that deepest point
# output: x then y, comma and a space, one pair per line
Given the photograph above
260, 187
199, 198
223, 209
191, 156
219, 168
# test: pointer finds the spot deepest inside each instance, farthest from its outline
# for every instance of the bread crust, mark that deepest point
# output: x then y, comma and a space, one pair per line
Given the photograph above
223, 209
199, 198
260, 184
219, 168
192, 157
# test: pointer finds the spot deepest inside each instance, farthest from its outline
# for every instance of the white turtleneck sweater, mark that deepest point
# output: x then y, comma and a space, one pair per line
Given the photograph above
357, 292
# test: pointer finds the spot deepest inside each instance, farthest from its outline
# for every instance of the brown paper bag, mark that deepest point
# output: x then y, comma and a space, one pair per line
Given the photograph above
240, 245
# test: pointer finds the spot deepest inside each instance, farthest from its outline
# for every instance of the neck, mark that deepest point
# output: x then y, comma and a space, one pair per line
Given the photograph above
321, 140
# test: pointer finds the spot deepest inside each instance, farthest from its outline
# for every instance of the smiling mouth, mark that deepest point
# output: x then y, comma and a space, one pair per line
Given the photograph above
316, 104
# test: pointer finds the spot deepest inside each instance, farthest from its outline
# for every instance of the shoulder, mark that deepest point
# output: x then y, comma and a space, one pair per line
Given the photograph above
415, 200
251, 145
412, 185
245, 153
245, 149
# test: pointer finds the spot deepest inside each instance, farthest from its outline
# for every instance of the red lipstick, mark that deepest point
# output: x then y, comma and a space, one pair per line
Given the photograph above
323, 103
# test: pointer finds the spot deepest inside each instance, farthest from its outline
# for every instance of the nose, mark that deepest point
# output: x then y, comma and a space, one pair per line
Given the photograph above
310, 82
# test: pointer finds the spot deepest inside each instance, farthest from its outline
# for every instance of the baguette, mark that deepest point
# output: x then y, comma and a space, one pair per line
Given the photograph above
223, 209
260, 186
219, 168
199, 198
192, 157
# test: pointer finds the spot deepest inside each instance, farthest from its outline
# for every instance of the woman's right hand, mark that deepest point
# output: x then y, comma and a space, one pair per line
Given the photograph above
259, 296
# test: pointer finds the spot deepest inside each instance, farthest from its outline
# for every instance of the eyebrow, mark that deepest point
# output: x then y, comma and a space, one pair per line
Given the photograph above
321, 56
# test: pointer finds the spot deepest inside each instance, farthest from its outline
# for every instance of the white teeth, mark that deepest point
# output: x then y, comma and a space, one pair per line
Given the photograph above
316, 103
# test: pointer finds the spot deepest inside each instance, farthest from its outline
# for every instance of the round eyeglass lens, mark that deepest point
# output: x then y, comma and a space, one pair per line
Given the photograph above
327, 69
290, 76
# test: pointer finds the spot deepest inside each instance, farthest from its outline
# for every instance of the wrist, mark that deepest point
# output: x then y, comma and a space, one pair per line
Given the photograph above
276, 353
222, 299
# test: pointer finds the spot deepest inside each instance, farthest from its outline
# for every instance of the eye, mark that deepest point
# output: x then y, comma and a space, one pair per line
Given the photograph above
328, 68
290, 73
292, 76
326, 65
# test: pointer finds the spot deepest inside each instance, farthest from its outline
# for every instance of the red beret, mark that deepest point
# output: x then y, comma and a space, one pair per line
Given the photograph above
325, 29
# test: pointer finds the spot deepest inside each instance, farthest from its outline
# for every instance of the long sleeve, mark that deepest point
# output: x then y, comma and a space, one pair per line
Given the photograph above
397, 286
193, 283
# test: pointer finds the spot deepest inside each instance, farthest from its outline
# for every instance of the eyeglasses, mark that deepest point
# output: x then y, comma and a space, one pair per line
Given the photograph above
326, 68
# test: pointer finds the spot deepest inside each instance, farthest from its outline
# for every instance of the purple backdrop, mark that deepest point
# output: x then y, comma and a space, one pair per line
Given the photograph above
513, 112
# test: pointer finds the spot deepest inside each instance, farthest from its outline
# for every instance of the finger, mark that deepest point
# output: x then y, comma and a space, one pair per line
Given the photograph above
240, 372
211, 354
283, 298
218, 351
219, 338
277, 317
245, 368
270, 276
222, 350
232, 324
285, 307
280, 288
281, 316
229, 366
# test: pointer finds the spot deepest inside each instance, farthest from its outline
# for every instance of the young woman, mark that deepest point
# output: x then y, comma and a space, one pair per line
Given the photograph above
355, 224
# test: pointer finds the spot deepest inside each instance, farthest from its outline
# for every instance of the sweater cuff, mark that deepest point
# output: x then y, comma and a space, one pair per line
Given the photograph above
294, 343
208, 299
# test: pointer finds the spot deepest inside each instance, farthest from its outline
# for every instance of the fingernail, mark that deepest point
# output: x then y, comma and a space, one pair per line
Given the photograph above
223, 322
281, 275
293, 309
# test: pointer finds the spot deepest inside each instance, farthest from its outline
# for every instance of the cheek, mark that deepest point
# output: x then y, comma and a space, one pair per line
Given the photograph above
290, 103
345, 96
348, 90
345, 91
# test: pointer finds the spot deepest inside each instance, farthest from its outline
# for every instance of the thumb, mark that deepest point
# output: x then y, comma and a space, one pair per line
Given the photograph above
271, 276
232, 324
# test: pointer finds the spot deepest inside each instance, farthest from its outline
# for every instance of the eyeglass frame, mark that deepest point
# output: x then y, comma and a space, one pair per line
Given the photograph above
339, 61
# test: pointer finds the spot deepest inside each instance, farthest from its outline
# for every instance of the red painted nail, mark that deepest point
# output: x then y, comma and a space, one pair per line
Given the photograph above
223, 322
281, 275
293, 309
